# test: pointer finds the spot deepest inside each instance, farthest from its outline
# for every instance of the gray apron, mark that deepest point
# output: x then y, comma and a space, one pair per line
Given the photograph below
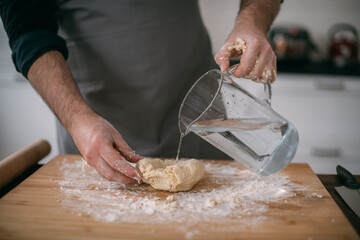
134, 61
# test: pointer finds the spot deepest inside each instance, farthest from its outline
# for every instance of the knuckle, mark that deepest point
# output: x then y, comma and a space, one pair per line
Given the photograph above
87, 154
267, 46
95, 142
268, 49
109, 175
256, 42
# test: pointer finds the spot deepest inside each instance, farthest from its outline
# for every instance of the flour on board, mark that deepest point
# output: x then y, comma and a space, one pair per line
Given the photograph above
229, 193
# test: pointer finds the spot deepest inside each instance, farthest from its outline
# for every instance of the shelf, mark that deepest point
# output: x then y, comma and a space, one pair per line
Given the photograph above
325, 68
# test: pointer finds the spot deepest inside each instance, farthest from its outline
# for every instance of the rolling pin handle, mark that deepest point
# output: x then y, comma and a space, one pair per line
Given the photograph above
17, 163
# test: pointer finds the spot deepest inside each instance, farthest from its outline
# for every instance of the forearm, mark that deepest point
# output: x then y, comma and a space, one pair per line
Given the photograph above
97, 140
258, 12
52, 79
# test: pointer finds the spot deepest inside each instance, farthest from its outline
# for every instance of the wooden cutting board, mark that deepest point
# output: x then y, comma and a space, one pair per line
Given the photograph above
59, 201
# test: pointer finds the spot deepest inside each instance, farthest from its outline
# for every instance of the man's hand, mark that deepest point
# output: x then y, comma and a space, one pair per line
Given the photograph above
96, 139
104, 149
258, 61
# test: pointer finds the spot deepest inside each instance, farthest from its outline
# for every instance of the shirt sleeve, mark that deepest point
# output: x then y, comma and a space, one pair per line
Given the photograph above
31, 26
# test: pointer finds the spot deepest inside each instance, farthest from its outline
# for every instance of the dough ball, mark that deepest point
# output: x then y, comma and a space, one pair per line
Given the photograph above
171, 175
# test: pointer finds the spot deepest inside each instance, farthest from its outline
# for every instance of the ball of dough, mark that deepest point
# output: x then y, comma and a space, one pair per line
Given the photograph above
171, 175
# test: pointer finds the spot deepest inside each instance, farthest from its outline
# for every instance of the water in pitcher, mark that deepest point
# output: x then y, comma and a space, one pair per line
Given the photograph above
261, 145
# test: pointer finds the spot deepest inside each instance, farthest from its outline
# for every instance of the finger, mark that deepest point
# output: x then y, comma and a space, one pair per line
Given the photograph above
256, 73
263, 69
269, 72
91, 157
104, 169
117, 162
222, 58
274, 69
97, 162
247, 62
125, 150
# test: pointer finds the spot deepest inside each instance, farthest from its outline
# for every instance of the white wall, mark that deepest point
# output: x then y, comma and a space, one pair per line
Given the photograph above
24, 117
315, 15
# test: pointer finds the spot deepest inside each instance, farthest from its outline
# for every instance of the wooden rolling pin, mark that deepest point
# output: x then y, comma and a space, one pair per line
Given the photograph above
14, 165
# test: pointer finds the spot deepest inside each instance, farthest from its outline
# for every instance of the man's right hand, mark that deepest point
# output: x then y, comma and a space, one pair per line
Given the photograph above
96, 139
104, 149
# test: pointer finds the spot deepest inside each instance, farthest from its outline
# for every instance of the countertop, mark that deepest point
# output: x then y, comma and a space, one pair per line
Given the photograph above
310, 212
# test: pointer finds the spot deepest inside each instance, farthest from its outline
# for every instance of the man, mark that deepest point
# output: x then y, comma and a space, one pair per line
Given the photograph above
130, 64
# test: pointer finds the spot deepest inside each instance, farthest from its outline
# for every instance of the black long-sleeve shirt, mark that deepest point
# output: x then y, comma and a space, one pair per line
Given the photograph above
32, 30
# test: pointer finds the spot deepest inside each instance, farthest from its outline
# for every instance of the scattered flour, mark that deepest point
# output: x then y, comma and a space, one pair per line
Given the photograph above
228, 192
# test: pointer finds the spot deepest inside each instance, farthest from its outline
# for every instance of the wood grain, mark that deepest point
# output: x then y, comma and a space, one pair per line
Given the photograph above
12, 166
33, 210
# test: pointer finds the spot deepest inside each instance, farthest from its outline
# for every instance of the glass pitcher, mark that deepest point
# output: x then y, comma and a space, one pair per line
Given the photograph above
244, 127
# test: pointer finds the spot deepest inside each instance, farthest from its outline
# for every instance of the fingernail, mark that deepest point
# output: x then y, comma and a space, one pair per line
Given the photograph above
138, 175
237, 74
138, 180
223, 67
134, 155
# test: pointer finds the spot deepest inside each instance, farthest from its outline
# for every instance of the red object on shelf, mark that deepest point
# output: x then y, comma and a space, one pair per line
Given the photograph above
343, 48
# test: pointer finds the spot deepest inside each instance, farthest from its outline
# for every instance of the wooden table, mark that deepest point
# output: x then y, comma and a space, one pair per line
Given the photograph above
35, 210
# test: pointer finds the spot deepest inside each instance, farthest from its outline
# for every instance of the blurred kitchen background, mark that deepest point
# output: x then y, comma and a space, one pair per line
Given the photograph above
317, 89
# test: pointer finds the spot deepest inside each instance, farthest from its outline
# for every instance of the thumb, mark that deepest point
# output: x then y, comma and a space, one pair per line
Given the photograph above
222, 57
229, 49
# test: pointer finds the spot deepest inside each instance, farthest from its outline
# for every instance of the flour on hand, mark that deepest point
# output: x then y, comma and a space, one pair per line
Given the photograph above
171, 175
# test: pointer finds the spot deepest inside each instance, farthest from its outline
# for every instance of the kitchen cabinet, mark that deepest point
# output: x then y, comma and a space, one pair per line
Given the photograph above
326, 112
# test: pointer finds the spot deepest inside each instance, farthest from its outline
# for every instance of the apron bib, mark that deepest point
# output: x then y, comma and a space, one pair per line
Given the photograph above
134, 61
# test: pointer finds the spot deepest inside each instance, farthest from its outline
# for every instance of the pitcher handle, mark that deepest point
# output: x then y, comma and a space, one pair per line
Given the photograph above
267, 84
